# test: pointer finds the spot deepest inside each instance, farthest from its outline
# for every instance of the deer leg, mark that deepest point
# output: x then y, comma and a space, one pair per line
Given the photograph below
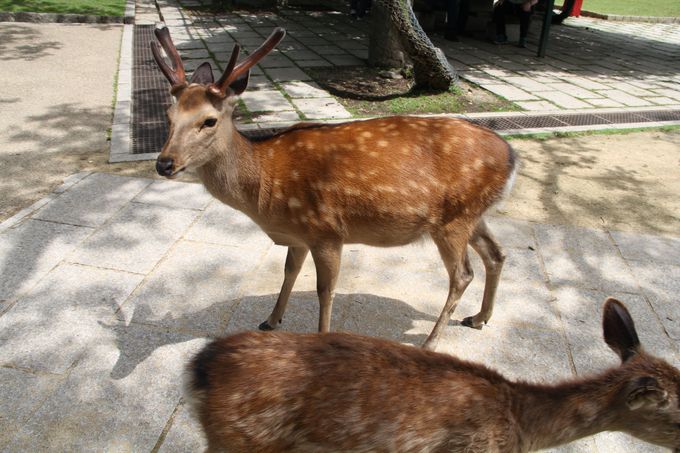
327, 261
489, 250
294, 260
453, 250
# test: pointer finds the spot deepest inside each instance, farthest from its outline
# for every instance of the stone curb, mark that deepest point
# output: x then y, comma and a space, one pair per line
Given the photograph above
42, 18
120, 146
69, 182
620, 18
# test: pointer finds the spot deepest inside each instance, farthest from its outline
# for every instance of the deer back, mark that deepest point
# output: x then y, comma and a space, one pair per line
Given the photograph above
340, 392
382, 182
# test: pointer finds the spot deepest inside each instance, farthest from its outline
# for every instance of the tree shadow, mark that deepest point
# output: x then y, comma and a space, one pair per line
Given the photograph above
395, 320
66, 126
22, 42
622, 193
575, 50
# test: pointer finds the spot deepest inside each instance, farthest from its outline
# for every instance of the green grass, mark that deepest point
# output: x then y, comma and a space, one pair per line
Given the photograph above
451, 101
92, 7
663, 8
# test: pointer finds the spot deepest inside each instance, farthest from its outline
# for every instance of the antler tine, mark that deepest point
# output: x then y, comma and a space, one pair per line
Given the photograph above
176, 76
277, 35
167, 71
220, 86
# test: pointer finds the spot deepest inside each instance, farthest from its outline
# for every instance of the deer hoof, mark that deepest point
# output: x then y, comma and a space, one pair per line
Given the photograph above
469, 322
265, 326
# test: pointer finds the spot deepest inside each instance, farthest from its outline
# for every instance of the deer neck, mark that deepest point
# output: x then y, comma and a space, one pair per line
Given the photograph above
233, 175
554, 415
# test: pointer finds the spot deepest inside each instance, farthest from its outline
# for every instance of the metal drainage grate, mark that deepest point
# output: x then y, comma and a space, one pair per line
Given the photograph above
150, 92
502, 123
496, 123
661, 115
531, 122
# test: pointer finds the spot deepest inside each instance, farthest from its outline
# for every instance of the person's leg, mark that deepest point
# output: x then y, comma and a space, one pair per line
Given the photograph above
463, 12
452, 20
499, 13
524, 18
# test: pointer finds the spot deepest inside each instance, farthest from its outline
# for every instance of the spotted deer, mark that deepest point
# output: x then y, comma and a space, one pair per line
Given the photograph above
314, 187
340, 392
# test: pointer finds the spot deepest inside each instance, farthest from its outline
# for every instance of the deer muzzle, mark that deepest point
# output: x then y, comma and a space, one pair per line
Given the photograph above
165, 166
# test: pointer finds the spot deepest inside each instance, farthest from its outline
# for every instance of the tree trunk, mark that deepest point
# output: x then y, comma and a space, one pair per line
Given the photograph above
384, 49
430, 68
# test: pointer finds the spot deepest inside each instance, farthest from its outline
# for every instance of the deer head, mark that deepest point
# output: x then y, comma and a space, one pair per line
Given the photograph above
649, 399
200, 119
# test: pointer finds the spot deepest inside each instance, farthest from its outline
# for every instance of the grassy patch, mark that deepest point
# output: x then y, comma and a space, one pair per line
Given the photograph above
92, 7
414, 102
662, 8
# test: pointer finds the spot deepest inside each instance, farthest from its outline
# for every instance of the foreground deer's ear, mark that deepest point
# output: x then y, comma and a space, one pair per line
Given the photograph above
203, 74
239, 85
645, 392
619, 329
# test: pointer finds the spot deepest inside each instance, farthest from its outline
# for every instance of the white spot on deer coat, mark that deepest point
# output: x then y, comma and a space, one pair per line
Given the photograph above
294, 203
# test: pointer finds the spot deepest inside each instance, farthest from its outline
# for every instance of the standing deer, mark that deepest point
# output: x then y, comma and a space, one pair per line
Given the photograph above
340, 392
314, 187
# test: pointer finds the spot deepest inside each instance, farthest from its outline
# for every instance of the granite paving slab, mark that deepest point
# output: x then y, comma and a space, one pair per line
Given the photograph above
30, 250
136, 238
92, 201
91, 357
49, 329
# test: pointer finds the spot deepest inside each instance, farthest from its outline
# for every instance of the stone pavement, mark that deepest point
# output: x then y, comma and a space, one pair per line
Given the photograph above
580, 75
591, 64
110, 283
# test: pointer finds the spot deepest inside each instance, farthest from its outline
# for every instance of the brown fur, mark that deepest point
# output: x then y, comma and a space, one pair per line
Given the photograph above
282, 392
383, 182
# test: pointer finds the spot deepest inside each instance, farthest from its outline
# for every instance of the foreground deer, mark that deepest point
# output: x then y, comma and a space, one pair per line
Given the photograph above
382, 182
278, 392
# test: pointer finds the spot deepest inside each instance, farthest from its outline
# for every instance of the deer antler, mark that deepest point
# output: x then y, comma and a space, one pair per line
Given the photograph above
175, 75
233, 71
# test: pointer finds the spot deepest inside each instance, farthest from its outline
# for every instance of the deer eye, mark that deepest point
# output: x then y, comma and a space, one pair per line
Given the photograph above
209, 122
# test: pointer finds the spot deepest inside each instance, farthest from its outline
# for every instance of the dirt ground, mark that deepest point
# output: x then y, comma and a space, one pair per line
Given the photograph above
627, 182
366, 92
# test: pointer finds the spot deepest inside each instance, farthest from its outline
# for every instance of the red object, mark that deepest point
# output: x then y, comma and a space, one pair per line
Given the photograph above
576, 10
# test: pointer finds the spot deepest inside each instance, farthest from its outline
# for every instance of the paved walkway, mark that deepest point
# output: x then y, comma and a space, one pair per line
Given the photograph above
110, 284
592, 64
581, 74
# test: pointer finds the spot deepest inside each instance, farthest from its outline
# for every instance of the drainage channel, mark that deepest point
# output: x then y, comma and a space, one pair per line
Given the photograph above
151, 98
564, 121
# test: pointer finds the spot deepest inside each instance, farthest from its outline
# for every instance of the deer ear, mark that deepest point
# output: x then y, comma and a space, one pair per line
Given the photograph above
203, 74
239, 85
645, 392
619, 329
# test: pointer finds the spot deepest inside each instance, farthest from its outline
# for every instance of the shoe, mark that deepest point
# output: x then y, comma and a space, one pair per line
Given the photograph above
522, 43
500, 39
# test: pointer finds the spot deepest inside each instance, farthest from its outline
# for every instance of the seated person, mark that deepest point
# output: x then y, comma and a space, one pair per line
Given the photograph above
358, 8
522, 8
456, 14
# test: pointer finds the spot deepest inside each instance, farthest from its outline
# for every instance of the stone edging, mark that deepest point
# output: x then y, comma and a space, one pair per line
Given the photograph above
120, 146
620, 18
41, 18
62, 18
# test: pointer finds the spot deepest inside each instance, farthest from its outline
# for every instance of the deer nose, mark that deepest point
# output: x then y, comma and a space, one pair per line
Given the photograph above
164, 166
